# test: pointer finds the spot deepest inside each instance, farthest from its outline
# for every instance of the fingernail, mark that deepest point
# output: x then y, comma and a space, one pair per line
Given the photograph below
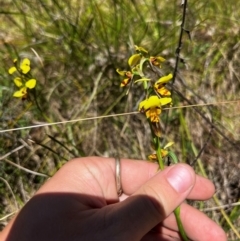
180, 178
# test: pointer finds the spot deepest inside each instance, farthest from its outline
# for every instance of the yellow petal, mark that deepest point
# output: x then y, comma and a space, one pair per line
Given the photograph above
164, 79
121, 72
160, 59
164, 153
18, 81
20, 93
153, 102
31, 83
125, 82
141, 105
152, 157
153, 114
168, 144
12, 70
134, 60
156, 61
141, 80
165, 101
25, 62
25, 66
140, 49
163, 91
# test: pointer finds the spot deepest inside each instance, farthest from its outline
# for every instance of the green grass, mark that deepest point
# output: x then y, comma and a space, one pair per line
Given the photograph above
75, 48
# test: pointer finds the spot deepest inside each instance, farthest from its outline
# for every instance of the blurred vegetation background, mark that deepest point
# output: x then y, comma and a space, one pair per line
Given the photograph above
75, 48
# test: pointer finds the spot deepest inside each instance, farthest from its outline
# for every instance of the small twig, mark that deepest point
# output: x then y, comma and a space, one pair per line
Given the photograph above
11, 191
18, 166
38, 57
8, 215
182, 30
25, 169
179, 47
221, 207
61, 144
50, 149
190, 105
205, 144
11, 152
25, 144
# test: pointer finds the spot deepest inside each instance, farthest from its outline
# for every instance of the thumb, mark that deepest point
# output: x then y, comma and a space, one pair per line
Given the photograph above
155, 200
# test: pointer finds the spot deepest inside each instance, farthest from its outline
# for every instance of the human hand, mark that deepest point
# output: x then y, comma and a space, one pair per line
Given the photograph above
80, 202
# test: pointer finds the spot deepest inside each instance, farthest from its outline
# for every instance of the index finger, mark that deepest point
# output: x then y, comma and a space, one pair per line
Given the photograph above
96, 175
136, 173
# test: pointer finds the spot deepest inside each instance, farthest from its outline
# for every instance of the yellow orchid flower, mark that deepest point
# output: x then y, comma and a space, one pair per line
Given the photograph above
22, 93
25, 81
164, 152
152, 107
152, 157
24, 67
154, 102
156, 61
159, 86
127, 74
30, 84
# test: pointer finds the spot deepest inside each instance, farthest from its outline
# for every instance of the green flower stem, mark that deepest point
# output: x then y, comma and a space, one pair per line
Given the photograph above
180, 225
177, 210
159, 155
